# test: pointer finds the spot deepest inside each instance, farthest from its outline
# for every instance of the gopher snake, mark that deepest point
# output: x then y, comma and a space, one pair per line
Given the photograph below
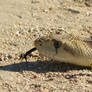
69, 49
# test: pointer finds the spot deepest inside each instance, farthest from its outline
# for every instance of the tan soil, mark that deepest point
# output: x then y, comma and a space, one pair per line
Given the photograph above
21, 22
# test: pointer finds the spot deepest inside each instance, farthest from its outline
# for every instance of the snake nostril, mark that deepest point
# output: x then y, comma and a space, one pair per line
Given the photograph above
38, 42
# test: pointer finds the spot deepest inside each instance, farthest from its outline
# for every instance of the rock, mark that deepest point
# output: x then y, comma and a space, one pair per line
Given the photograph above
0, 59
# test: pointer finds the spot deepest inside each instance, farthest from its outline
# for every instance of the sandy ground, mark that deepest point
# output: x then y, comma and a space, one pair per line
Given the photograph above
23, 21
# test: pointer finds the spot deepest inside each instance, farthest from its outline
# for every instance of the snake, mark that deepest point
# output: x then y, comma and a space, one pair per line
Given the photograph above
68, 49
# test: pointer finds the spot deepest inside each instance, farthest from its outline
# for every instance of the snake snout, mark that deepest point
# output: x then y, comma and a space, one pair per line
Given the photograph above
39, 41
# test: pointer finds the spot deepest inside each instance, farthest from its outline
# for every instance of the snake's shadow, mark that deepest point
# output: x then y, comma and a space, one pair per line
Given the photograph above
41, 67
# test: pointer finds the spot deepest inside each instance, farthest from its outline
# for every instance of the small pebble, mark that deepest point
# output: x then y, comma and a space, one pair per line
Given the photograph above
9, 57
73, 11
0, 59
88, 4
18, 33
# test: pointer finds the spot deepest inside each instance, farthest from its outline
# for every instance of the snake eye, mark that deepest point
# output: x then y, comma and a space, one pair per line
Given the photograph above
57, 44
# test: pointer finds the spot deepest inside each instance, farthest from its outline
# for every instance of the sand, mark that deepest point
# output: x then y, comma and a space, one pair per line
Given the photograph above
23, 21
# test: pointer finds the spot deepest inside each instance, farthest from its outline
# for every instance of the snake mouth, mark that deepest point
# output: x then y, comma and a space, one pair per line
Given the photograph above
37, 42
